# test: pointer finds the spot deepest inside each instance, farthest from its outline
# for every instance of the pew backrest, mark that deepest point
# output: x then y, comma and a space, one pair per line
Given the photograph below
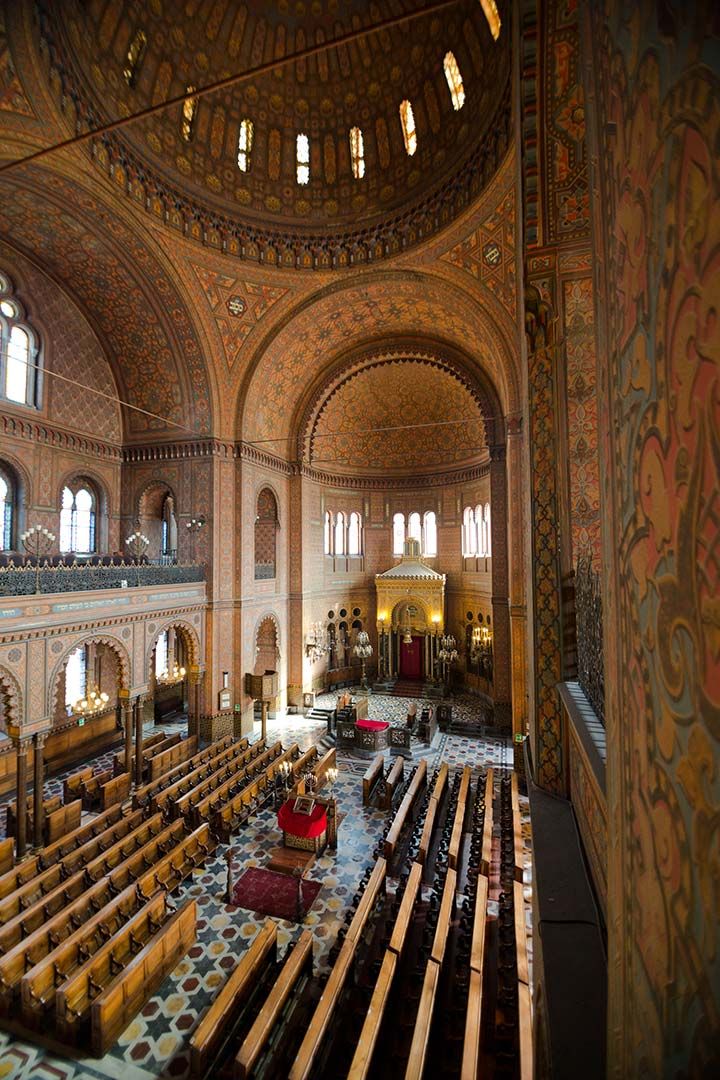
373, 774
62, 821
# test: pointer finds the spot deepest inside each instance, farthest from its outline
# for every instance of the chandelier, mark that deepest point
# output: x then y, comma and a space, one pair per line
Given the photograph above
91, 704
315, 644
170, 677
363, 650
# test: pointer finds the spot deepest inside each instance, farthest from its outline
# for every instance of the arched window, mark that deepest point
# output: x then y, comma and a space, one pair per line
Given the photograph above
161, 655
355, 535
188, 114
413, 529
493, 17
357, 152
407, 121
75, 677
18, 350
340, 534
77, 520
7, 510
429, 533
134, 56
266, 526
398, 533
302, 159
469, 533
168, 529
479, 532
245, 143
327, 545
454, 81
488, 539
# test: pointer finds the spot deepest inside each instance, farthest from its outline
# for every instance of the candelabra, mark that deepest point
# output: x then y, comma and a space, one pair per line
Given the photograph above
447, 655
37, 541
363, 650
331, 778
91, 704
194, 525
137, 544
315, 644
481, 651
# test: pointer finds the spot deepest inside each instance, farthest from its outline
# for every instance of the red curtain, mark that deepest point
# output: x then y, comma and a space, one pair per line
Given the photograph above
411, 659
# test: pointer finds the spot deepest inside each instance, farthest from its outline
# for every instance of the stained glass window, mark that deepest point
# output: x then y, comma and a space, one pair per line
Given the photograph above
407, 120
357, 152
245, 142
454, 81
302, 157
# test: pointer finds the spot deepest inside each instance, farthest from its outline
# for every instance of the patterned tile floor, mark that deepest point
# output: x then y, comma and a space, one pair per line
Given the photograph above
155, 1042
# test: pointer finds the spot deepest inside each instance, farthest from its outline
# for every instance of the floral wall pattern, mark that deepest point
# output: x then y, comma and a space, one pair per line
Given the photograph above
658, 273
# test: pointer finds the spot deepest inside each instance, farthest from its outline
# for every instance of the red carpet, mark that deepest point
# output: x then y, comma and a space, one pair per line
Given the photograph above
268, 893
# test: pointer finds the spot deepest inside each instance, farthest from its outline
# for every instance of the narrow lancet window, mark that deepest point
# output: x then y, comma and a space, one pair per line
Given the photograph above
302, 159
454, 81
357, 152
245, 142
407, 120
134, 56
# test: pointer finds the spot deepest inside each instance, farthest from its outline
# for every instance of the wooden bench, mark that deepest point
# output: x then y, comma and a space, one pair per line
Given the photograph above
459, 820
115, 791
247, 764
7, 855
407, 904
153, 741
299, 960
518, 844
90, 789
218, 1022
431, 814
75, 839
320, 771
38, 987
362, 1059
376, 884
167, 759
487, 825
186, 855
267, 763
73, 786
62, 821
423, 1021
235, 757
115, 1007
227, 818
373, 775
473, 1018
392, 782
405, 809
146, 791
49, 806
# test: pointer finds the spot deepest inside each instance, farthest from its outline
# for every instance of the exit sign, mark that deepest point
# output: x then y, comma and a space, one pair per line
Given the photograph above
519, 736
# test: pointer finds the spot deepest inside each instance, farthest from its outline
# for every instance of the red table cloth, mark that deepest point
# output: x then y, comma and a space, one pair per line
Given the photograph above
305, 825
373, 725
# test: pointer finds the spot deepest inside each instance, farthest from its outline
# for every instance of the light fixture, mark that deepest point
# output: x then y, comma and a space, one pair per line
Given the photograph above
137, 543
170, 678
91, 704
447, 655
363, 650
37, 541
315, 644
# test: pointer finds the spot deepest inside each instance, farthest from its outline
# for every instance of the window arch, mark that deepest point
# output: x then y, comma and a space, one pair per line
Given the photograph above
398, 533
429, 533
357, 152
245, 144
19, 350
78, 519
414, 532
340, 534
407, 121
161, 655
355, 534
266, 527
302, 159
469, 533
488, 540
479, 532
8, 501
327, 544
454, 81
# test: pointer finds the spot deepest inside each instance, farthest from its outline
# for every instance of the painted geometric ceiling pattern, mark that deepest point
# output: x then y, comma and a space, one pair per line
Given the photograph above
237, 306
137, 311
83, 397
398, 416
488, 253
412, 306
12, 95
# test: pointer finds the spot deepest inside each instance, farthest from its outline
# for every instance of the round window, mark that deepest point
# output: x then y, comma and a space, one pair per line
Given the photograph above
331, 614
356, 611
343, 612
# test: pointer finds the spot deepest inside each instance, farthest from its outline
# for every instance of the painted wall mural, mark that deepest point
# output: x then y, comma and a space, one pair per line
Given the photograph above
657, 74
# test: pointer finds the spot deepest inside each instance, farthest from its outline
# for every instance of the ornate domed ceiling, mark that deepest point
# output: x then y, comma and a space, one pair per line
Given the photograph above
398, 417
116, 58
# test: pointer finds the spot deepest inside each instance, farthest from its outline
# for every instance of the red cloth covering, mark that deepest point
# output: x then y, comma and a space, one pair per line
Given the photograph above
306, 825
373, 725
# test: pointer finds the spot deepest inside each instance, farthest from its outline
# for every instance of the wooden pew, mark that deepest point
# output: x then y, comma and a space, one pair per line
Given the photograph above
167, 759
305, 762
219, 1020
459, 820
407, 904
227, 818
115, 791
298, 961
517, 828
90, 789
115, 1007
7, 855
320, 771
194, 794
186, 856
303, 1065
525, 1036
392, 781
146, 791
72, 787
266, 763
362, 1059
373, 775
60, 966
86, 833
49, 806
234, 757
440, 782
432, 811
72, 996
473, 1018
405, 809
152, 741
62, 821
487, 825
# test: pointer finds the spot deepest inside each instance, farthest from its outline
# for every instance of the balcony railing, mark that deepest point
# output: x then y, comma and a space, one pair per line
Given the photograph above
82, 577
589, 623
